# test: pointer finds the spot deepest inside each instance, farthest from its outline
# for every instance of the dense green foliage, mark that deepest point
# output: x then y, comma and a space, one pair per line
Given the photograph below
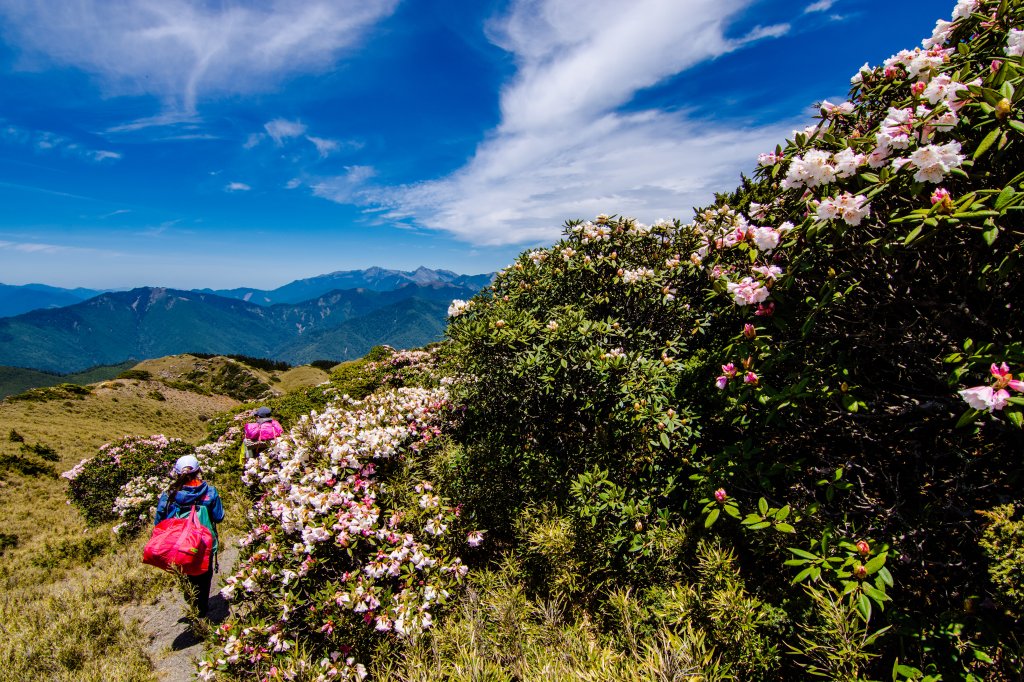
782, 376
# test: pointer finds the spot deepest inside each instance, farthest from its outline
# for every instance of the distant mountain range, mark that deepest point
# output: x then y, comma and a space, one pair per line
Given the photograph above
152, 322
15, 300
374, 279
18, 299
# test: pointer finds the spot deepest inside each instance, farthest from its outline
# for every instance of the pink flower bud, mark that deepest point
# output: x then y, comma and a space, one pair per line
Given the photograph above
749, 331
917, 88
996, 65
720, 495
750, 378
860, 572
939, 194
864, 548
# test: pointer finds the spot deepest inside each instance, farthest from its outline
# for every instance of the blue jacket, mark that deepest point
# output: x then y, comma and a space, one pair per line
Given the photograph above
202, 494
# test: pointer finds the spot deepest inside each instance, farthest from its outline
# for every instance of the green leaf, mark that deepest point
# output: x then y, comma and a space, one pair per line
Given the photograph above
967, 417
875, 564
1017, 418
759, 526
665, 440
784, 528
712, 517
762, 506
1018, 126
986, 143
802, 553
782, 513
885, 575
802, 575
990, 235
913, 234
864, 606
1005, 197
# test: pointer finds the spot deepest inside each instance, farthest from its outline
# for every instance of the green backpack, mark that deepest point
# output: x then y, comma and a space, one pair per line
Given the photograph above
203, 514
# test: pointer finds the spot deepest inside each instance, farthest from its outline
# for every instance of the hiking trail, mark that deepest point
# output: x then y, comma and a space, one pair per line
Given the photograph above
172, 647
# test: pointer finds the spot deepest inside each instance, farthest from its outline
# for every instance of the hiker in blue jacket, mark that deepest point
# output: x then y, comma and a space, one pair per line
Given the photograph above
189, 490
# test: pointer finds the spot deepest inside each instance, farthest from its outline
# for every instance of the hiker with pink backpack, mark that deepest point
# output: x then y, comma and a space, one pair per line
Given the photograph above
185, 533
259, 434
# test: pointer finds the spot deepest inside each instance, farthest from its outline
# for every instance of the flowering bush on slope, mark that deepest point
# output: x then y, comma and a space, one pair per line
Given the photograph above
136, 501
812, 369
95, 483
349, 549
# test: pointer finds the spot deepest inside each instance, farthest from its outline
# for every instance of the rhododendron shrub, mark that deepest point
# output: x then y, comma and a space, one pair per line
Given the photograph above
95, 483
350, 549
135, 504
821, 368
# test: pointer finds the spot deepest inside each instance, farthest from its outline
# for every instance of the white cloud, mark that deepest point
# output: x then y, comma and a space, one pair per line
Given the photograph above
566, 147
237, 187
181, 50
324, 146
280, 129
348, 188
819, 6
51, 143
51, 249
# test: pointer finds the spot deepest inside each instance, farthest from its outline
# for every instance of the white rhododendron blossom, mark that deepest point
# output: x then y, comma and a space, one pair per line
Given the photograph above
810, 170
933, 162
851, 208
458, 307
1015, 43
636, 276
847, 162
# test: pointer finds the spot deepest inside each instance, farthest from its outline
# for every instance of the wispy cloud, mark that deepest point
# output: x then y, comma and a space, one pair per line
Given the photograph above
52, 249
45, 142
181, 51
568, 145
281, 129
324, 146
819, 6
237, 187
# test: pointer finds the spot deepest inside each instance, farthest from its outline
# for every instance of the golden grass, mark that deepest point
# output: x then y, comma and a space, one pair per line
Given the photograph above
300, 377
63, 585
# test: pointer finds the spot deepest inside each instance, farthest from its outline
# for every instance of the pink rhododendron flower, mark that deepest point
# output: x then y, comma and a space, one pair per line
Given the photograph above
750, 378
728, 372
769, 159
964, 8
985, 398
765, 310
863, 547
720, 495
1004, 378
749, 331
747, 291
917, 88
475, 538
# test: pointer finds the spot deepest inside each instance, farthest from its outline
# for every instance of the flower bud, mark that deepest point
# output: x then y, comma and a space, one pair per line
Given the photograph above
1003, 108
638, 527
499, 323
749, 331
917, 88
864, 548
860, 572
720, 495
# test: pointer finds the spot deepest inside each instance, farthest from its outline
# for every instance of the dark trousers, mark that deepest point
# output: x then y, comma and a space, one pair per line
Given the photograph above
201, 583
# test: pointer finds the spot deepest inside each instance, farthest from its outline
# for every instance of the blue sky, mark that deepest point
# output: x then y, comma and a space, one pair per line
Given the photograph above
216, 143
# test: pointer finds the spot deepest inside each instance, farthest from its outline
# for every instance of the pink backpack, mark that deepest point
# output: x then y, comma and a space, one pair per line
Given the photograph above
180, 544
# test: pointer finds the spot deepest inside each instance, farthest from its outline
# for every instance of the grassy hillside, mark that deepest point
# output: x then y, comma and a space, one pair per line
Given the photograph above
17, 379
62, 584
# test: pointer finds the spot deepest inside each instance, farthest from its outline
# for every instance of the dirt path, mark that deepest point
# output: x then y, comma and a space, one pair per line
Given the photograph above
172, 647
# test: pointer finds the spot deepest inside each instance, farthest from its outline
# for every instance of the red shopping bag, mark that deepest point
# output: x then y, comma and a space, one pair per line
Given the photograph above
180, 544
